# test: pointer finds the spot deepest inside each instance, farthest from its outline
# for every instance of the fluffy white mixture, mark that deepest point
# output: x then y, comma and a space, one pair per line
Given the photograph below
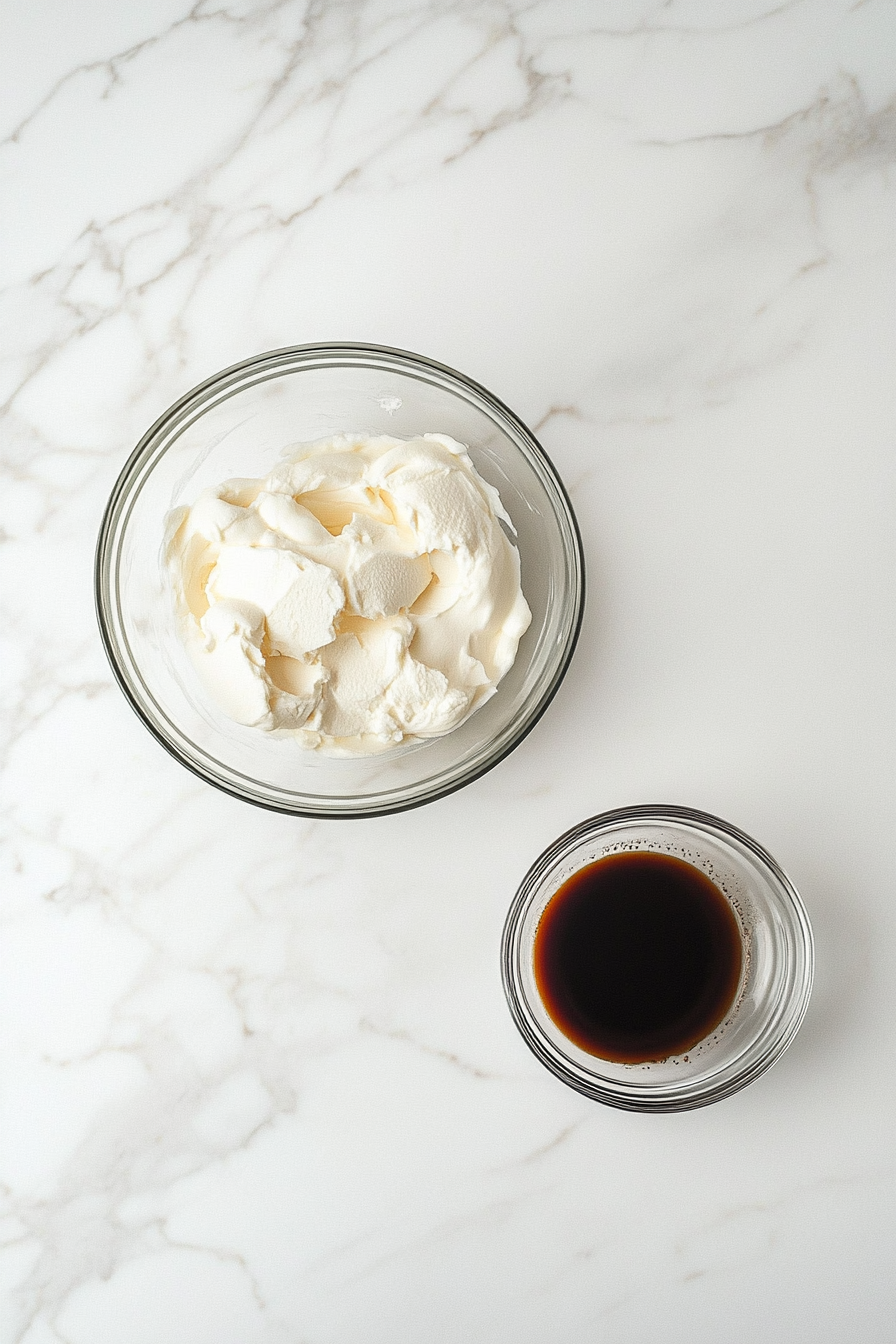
362, 595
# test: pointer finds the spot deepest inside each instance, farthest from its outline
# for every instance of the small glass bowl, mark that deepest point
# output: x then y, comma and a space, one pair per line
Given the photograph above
775, 983
238, 423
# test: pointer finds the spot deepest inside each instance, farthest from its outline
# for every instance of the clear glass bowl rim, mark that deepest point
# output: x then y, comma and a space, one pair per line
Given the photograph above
288, 358
664, 1099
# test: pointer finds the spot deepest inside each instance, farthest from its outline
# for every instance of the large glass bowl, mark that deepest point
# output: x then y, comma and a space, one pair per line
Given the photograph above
237, 424
776, 978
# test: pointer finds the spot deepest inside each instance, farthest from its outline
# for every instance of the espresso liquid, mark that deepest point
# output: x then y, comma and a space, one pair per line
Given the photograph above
638, 957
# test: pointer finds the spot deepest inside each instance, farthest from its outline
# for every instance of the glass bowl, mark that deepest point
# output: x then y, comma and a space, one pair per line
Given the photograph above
237, 424
776, 978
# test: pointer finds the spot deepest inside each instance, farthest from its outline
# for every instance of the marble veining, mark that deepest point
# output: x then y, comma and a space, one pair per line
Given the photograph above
259, 1085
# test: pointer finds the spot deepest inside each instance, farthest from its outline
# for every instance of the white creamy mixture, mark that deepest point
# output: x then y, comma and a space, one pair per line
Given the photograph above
362, 595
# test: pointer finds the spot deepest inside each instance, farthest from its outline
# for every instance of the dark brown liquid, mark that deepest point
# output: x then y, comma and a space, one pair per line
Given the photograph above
638, 957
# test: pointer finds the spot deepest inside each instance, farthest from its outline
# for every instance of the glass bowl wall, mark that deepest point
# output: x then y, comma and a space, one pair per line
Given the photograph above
239, 423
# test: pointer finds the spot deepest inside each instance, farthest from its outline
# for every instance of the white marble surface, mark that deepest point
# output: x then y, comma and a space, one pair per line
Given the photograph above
259, 1085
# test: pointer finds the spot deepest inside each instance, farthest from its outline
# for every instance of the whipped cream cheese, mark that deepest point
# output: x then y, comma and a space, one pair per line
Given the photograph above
364, 594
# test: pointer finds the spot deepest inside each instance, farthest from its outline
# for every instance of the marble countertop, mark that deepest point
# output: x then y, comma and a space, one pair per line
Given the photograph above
259, 1082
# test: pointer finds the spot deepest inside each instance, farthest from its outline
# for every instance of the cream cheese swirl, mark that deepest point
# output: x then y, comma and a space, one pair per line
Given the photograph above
362, 595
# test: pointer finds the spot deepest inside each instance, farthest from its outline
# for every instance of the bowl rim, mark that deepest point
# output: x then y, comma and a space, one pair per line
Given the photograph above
697, 1092
333, 353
